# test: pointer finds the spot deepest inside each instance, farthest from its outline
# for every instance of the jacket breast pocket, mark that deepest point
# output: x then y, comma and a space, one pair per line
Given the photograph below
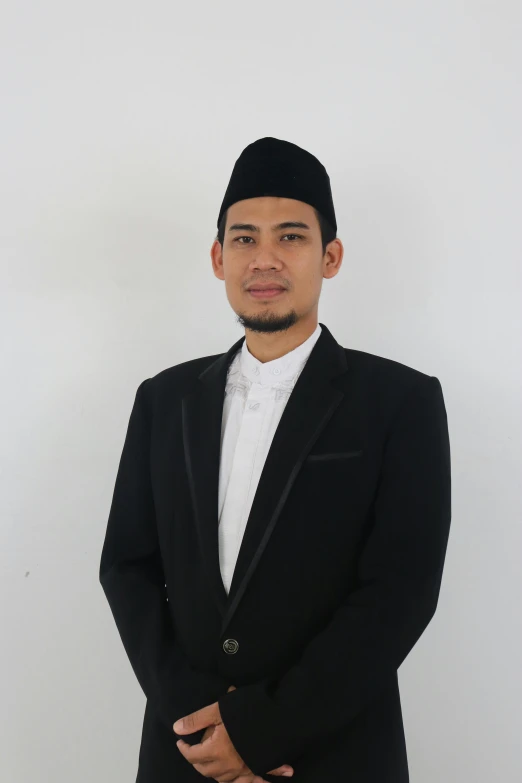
331, 455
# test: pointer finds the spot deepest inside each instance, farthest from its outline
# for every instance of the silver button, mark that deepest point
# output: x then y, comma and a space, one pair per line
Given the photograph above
230, 646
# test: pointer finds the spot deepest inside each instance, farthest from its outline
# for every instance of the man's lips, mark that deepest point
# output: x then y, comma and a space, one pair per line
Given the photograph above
264, 293
264, 286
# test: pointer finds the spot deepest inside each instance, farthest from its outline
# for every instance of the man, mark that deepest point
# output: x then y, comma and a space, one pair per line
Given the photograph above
280, 518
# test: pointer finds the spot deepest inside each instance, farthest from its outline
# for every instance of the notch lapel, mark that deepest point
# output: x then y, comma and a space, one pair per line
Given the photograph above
312, 402
202, 412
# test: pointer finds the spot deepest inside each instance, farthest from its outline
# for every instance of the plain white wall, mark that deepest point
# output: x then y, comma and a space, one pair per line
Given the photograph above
120, 125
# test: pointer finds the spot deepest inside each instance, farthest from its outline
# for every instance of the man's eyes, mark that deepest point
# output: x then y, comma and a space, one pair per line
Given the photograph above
299, 236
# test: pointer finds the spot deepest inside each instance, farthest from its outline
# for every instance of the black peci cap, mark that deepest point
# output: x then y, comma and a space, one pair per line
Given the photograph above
273, 167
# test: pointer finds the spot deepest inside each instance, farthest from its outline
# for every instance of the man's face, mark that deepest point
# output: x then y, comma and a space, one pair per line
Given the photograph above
260, 247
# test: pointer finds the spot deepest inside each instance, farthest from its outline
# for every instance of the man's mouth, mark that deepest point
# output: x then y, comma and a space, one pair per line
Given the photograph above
265, 293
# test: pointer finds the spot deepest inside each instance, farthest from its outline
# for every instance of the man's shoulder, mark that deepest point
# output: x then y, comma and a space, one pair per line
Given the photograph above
381, 367
188, 369
386, 384
177, 380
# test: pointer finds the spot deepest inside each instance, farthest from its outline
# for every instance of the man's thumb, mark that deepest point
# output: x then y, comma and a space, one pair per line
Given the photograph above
196, 720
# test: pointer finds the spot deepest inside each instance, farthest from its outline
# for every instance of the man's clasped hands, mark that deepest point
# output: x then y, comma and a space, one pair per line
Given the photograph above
215, 756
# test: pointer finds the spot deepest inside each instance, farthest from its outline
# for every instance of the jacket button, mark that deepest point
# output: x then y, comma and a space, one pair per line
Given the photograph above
230, 646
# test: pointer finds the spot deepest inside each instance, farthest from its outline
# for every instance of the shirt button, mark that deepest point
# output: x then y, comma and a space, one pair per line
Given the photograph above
230, 646
256, 370
276, 370
254, 405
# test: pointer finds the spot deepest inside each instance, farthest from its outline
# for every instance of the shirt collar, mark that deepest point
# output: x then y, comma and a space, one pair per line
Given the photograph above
284, 368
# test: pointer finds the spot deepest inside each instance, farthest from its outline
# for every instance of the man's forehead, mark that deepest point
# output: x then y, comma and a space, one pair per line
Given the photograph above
266, 207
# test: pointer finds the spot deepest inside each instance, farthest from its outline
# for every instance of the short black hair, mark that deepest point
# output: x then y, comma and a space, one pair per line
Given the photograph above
327, 231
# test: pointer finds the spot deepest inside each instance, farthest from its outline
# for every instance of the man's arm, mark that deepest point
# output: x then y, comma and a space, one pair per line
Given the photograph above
131, 574
368, 637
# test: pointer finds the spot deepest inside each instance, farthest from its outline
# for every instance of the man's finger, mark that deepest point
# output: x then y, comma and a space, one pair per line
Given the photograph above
200, 719
194, 756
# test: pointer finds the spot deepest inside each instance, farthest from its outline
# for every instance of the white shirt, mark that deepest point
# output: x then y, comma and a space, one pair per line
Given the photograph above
255, 396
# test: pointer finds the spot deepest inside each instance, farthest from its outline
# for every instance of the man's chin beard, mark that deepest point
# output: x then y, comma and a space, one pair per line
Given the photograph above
268, 322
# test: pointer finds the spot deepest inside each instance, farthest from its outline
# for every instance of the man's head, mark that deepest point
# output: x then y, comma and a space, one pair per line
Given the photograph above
255, 245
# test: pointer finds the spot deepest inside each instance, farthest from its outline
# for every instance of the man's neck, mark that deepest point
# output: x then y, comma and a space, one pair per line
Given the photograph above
267, 346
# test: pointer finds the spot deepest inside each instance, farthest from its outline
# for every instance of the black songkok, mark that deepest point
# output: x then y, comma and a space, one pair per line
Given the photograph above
273, 167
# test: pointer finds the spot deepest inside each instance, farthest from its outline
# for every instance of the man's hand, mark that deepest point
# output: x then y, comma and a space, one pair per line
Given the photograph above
215, 756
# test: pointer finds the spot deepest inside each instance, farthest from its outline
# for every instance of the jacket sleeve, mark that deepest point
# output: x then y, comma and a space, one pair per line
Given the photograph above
367, 638
132, 577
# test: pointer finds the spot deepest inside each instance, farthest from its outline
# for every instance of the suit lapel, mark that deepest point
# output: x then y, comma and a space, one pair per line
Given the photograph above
312, 402
202, 411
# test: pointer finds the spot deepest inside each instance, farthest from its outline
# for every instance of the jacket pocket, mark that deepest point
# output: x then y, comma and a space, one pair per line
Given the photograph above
333, 455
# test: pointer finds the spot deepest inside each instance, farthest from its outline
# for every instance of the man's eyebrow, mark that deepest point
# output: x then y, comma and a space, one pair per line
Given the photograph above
278, 227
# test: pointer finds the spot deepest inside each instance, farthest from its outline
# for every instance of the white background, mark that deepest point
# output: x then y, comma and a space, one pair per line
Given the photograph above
120, 125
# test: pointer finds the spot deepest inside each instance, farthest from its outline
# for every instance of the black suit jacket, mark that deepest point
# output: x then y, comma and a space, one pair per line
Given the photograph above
337, 577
